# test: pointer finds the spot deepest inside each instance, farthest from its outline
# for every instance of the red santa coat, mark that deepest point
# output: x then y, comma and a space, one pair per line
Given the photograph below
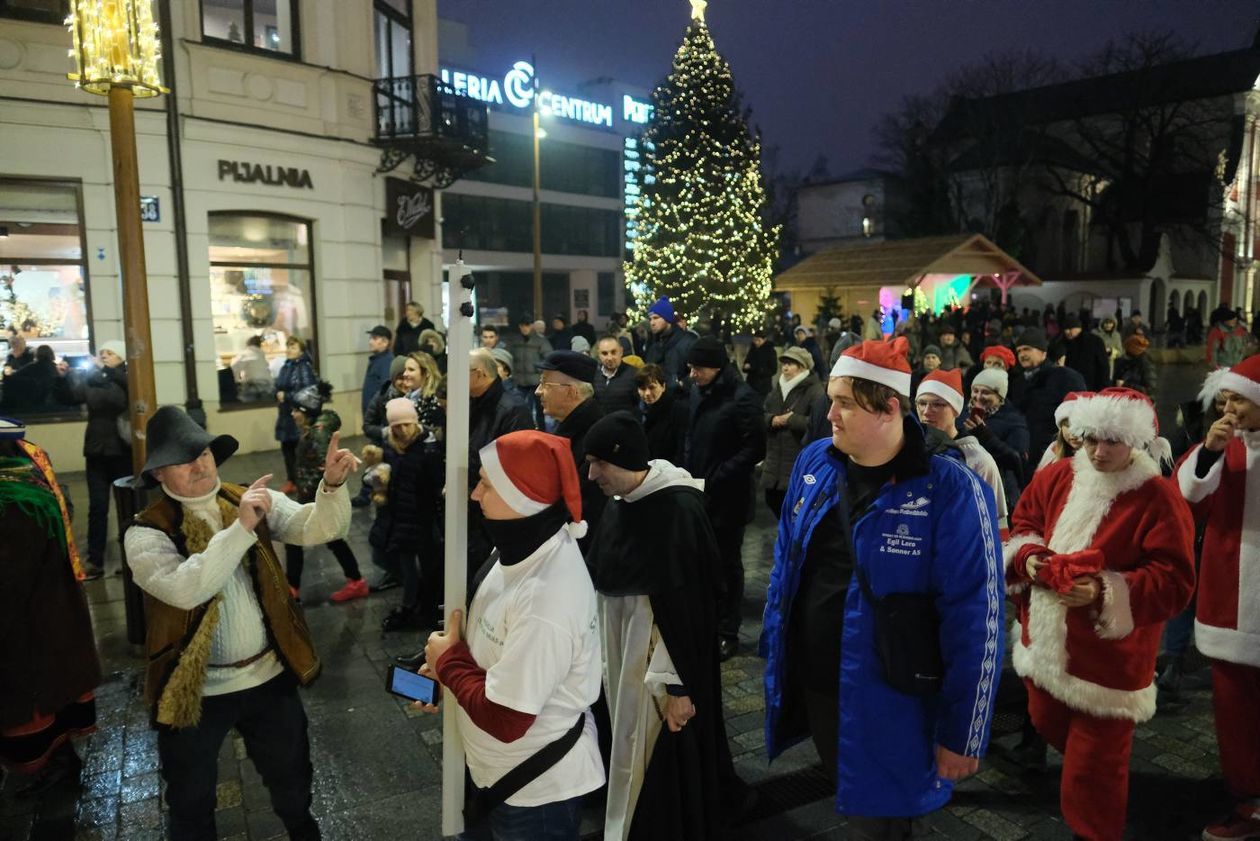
1227, 501
1101, 661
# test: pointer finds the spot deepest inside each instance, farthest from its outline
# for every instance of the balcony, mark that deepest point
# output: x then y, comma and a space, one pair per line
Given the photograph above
423, 118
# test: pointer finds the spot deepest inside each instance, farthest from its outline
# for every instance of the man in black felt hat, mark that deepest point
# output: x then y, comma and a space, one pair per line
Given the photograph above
566, 391
725, 440
655, 565
226, 645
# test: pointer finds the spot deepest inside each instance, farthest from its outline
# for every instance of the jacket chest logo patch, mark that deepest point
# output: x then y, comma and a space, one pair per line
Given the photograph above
808, 479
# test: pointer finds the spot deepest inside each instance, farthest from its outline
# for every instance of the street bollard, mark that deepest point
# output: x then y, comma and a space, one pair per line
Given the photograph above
128, 501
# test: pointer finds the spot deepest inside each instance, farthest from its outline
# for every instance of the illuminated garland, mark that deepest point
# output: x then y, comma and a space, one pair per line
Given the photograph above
701, 236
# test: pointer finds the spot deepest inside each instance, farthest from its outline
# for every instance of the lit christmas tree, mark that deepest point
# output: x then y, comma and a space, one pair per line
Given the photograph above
701, 235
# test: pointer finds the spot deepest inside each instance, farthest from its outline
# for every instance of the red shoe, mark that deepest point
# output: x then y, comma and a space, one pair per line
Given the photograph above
289, 487
356, 589
1243, 824
295, 593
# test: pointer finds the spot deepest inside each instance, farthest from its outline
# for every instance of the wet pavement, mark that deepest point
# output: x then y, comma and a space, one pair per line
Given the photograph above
377, 764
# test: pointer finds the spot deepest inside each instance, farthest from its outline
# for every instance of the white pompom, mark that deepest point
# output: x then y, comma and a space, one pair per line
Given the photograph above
577, 531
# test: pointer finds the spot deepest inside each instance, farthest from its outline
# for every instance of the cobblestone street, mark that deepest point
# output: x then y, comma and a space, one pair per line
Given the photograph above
377, 765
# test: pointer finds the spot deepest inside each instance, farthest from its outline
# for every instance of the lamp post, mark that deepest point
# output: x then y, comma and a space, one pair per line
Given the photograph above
116, 54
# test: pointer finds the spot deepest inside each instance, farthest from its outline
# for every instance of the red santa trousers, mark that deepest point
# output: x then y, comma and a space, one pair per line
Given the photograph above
1094, 788
1236, 702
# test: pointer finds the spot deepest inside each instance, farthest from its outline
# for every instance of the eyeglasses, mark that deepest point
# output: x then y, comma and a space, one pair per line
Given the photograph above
931, 405
545, 384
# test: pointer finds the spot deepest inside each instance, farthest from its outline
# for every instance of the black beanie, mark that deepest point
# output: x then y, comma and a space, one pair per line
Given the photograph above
619, 439
707, 352
1033, 337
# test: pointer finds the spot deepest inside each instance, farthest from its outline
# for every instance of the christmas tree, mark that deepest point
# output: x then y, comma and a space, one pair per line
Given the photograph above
702, 239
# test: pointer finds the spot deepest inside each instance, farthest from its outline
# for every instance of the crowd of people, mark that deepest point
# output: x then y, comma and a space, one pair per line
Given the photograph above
924, 483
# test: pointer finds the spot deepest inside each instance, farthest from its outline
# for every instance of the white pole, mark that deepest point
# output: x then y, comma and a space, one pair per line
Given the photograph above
458, 346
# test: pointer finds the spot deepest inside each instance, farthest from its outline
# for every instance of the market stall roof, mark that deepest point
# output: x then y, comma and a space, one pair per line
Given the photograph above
904, 262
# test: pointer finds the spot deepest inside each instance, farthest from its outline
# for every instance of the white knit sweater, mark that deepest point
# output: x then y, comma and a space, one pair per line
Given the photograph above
185, 583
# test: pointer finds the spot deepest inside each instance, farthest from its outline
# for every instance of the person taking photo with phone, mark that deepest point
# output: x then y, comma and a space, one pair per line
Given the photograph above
525, 671
226, 646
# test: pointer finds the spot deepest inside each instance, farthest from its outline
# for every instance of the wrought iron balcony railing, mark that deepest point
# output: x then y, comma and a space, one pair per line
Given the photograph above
423, 117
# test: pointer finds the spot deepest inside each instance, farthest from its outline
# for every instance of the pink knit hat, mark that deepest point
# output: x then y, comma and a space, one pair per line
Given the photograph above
401, 410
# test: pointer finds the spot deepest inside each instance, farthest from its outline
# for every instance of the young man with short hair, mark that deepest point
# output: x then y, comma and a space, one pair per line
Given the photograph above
872, 498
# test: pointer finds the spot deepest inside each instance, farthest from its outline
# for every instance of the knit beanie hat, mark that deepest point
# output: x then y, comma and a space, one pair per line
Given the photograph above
1033, 337
1001, 352
1135, 344
707, 352
886, 363
664, 309
1244, 378
396, 367
995, 379
932, 349
946, 385
503, 356
619, 439
532, 471
579, 344
1064, 410
1116, 414
115, 346
401, 410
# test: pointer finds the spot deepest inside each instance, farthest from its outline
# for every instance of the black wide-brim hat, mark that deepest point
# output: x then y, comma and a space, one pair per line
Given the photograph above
175, 438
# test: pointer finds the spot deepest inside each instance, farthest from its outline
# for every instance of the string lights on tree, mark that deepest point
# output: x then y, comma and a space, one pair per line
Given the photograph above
703, 239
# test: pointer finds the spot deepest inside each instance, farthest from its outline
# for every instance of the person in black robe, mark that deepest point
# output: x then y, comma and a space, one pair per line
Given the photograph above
655, 566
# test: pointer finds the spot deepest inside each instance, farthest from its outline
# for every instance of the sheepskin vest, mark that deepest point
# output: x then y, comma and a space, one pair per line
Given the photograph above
177, 641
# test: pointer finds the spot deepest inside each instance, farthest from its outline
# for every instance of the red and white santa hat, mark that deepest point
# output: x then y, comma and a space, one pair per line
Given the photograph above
1064, 410
946, 385
532, 471
1116, 414
1243, 378
887, 363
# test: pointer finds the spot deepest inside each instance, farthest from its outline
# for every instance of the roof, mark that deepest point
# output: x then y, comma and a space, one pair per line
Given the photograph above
1201, 77
902, 263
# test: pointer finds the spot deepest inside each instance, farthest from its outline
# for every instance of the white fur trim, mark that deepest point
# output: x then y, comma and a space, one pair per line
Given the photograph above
1009, 550
1045, 660
953, 398
1192, 487
504, 486
1064, 410
1115, 621
1227, 644
577, 530
1160, 450
1240, 384
1211, 387
851, 366
1114, 419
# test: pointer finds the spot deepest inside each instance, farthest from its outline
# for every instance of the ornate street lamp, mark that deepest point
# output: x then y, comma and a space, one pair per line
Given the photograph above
116, 53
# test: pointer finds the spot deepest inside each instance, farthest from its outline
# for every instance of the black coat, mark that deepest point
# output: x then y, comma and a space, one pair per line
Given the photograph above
30, 388
407, 338
669, 350
574, 428
1004, 435
665, 423
725, 440
760, 366
619, 392
1087, 355
374, 423
104, 392
1037, 397
410, 504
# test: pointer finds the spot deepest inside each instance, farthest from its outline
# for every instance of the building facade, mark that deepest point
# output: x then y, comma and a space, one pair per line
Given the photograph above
264, 212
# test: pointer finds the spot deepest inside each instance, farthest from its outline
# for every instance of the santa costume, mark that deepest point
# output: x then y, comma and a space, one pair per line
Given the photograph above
1090, 670
1223, 489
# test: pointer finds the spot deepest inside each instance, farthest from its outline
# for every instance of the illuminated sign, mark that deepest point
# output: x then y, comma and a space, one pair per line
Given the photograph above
516, 90
635, 111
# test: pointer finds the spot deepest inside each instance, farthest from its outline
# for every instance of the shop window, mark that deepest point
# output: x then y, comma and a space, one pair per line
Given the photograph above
40, 11
266, 25
261, 294
393, 38
45, 324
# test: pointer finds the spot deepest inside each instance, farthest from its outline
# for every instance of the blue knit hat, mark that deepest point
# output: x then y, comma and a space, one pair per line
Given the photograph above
664, 309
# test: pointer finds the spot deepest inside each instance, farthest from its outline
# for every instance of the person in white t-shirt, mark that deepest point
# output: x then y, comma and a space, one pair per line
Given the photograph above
527, 667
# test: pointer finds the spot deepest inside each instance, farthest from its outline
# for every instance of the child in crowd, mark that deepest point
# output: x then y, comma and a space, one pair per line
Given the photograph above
315, 426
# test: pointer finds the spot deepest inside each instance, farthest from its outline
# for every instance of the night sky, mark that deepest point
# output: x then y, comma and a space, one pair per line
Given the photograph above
820, 73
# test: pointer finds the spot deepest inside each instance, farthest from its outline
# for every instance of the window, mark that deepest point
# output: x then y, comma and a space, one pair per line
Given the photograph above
608, 298
266, 25
566, 167
478, 222
44, 318
40, 11
261, 294
393, 39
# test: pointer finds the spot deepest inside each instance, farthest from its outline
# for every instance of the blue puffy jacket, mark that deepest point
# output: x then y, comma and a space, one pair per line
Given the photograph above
930, 533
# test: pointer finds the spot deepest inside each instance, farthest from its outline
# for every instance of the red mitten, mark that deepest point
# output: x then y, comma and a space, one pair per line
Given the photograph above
1058, 572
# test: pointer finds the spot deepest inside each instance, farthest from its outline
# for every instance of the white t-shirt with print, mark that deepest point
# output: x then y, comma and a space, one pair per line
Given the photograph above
533, 626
